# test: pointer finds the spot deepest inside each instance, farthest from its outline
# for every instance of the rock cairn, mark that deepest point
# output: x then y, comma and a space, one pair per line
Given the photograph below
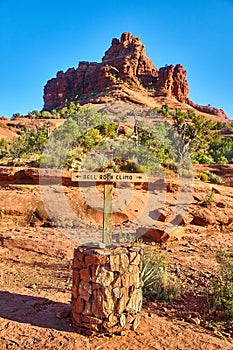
107, 288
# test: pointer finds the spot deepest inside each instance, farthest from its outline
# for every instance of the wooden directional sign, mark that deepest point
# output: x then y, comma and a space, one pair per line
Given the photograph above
108, 179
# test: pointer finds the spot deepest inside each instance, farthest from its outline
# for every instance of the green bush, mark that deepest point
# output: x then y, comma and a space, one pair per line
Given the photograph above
73, 158
108, 130
211, 177
88, 164
3, 144
222, 285
159, 283
202, 158
32, 142
90, 139
155, 146
131, 166
204, 176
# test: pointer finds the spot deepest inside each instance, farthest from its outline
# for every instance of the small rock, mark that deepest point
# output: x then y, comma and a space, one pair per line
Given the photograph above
194, 320
32, 286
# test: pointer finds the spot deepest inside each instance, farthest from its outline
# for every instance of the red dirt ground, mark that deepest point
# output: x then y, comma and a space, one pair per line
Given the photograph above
35, 284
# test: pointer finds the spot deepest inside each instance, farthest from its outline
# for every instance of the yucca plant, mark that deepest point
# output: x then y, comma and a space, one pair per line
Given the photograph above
215, 179
222, 284
159, 283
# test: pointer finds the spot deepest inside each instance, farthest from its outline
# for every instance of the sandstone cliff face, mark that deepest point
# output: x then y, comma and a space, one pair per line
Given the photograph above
172, 82
127, 58
125, 62
124, 65
71, 84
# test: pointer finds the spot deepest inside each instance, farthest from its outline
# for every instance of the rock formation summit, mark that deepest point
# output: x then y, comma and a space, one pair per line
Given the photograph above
127, 74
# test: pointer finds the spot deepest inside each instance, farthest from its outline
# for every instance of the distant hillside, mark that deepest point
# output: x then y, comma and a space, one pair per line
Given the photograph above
10, 129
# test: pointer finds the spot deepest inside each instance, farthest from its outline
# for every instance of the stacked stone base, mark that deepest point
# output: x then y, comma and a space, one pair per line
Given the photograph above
107, 289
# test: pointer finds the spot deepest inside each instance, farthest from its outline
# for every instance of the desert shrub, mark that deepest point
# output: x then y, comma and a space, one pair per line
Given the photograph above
220, 126
222, 160
131, 166
108, 130
209, 199
215, 179
31, 142
73, 158
88, 164
159, 283
109, 165
222, 285
170, 165
221, 149
90, 139
204, 176
3, 144
202, 158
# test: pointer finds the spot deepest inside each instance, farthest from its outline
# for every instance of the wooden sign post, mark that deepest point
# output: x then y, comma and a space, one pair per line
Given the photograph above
108, 179
107, 220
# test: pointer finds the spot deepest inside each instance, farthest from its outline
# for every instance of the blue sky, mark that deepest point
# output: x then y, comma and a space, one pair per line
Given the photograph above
39, 38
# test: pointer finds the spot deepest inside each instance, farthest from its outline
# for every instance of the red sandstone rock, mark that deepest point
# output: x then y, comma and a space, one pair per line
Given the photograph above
125, 129
85, 290
204, 217
129, 60
152, 234
79, 305
125, 62
172, 82
85, 275
210, 110
101, 306
95, 260
124, 65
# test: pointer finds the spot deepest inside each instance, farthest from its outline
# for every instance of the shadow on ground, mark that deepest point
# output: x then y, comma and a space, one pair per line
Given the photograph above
36, 311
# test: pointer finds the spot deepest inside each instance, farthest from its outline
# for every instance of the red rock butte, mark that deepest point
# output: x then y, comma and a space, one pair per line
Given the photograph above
125, 73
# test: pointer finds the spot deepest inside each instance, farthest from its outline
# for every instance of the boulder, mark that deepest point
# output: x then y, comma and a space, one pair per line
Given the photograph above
159, 235
203, 217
